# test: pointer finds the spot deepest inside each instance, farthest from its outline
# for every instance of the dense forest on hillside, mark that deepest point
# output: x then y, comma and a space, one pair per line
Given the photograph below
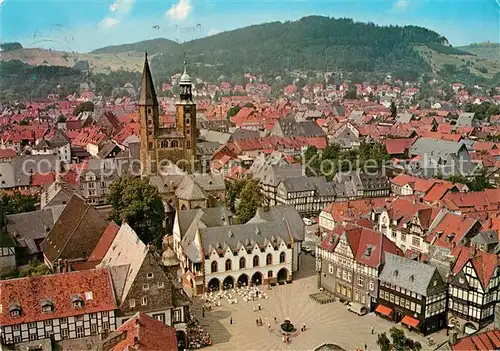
22, 81
312, 43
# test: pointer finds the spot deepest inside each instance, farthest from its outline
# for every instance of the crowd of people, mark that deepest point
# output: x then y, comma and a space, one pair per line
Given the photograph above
198, 338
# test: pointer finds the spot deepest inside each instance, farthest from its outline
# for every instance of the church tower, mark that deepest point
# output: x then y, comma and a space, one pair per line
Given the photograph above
186, 118
148, 121
161, 145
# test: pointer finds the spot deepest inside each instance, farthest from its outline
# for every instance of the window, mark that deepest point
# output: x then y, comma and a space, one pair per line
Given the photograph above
403, 237
145, 287
282, 257
242, 262
150, 145
150, 275
360, 280
32, 325
160, 317
105, 326
339, 272
48, 335
415, 241
188, 143
16, 327
93, 329
89, 295
213, 267
330, 268
372, 285
269, 259
47, 308
47, 322
144, 301
161, 285
33, 337
349, 277
256, 261
64, 333
64, 320
15, 312
131, 303
270, 274
80, 333
78, 318
174, 143
177, 316
228, 264
164, 144
17, 339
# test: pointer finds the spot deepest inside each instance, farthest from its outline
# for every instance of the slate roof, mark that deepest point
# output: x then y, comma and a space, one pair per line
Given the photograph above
247, 235
291, 128
348, 184
189, 190
58, 289
147, 94
277, 213
17, 172
78, 221
404, 117
408, 274
435, 147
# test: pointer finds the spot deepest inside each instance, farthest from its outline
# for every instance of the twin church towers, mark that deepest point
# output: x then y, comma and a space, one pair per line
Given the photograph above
159, 144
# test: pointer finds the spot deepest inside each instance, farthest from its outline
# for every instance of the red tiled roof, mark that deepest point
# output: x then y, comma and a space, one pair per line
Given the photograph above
40, 179
484, 263
104, 243
488, 340
148, 332
362, 240
7, 153
453, 227
398, 146
59, 289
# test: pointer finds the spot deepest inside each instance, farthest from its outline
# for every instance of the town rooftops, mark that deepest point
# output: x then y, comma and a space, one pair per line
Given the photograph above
55, 294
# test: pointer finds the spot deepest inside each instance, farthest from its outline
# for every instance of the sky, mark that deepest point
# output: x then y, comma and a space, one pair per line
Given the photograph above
82, 26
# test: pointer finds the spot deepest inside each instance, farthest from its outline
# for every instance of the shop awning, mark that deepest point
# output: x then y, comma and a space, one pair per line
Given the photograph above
410, 321
386, 311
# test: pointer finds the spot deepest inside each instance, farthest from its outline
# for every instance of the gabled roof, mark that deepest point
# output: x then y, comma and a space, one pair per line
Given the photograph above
484, 263
104, 243
58, 290
488, 340
145, 333
79, 225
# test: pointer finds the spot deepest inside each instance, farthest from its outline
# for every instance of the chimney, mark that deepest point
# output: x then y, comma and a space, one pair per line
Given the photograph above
473, 250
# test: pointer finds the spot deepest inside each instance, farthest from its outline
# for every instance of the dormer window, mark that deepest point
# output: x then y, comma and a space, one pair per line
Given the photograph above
47, 306
77, 301
15, 310
150, 275
396, 273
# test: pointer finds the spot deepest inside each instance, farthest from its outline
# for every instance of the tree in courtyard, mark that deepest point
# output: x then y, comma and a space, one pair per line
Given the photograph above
139, 203
233, 111
351, 93
394, 110
250, 199
383, 342
35, 268
15, 203
83, 107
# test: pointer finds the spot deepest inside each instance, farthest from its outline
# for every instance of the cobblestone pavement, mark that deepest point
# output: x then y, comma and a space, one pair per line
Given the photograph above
328, 323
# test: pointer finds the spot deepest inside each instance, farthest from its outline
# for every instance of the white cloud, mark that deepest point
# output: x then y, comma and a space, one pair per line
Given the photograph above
181, 10
121, 6
213, 32
401, 4
109, 22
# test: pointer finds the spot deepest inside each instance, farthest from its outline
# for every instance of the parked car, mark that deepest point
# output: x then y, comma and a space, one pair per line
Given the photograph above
307, 221
306, 249
357, 308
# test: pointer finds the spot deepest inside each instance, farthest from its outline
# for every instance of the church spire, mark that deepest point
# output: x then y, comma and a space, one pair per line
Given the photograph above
147, 96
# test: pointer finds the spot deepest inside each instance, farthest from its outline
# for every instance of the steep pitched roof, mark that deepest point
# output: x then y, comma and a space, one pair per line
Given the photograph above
488, 340
79, 225
484, 263
104, 243
145, 333
58, 290
148, 94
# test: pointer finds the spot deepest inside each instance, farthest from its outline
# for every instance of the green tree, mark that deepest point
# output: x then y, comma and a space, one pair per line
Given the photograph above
312, 161
35, 268
61, 119
394, 109
383, 342
233, 111
250, 199
139, 203
24, 122
83, 107
398, 338
351, 93
16, 203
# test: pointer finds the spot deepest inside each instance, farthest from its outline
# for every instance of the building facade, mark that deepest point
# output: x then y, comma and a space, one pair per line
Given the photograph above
413, 293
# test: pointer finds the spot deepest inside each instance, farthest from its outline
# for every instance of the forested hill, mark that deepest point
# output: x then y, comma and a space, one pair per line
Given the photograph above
152, 46
311, 43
